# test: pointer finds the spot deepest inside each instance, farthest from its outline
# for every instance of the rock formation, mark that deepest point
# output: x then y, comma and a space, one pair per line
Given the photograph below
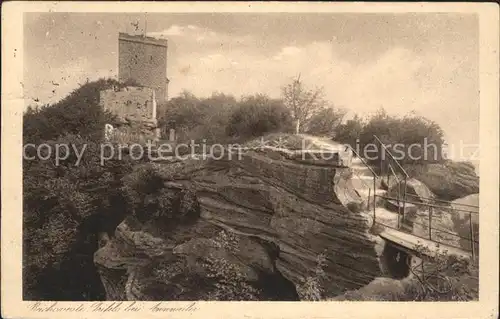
262, 224
416, 191
450, 180
465, 218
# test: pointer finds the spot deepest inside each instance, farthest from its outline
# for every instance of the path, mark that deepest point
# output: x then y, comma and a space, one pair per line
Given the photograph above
411, 244
396, 233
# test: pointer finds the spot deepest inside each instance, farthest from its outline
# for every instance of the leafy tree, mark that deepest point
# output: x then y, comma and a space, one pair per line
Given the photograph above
399, 134
325, 121
183, 112
349, 132
256, 115
302, 102
418, 130
194, 118
219, 108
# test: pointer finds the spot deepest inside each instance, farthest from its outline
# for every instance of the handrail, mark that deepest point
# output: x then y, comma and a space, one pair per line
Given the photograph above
428, 205
450, 208
363, 161
362, 181
394, 173
392, 157
439, 230
418, 236
446, 201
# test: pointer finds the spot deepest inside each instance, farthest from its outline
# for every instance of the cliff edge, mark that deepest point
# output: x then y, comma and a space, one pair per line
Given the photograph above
267, 225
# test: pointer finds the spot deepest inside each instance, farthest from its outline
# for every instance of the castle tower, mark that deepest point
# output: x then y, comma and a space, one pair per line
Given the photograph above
144, 60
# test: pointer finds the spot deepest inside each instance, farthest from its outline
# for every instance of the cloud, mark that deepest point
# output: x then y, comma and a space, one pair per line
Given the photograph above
399, 80
174, 30
287, 51
195, 33
429, 65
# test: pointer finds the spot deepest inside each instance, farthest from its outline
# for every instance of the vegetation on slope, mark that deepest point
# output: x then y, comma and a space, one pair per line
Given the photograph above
65, 206
445, 278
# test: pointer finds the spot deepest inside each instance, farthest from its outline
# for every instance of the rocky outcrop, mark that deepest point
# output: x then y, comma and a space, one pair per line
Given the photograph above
425, 210
416, 191
466, 221
380, 289
450, 180
265, 218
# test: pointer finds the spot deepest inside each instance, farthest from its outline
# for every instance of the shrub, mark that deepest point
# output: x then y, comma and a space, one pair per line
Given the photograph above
257, 115
391, 130
325, 121
228, 281
310, 289
349, 132
58, 201
78, 113
406, 131
183, 112
196, 119
66, 205
151, 200
445, 278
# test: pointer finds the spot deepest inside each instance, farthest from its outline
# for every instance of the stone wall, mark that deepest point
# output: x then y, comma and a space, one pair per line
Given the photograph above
133, 103
144, 60
135, 108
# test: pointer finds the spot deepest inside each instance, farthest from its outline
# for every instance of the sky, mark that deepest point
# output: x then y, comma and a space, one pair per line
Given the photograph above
421, 62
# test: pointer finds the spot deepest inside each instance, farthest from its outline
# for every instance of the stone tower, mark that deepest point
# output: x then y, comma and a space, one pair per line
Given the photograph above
144, 60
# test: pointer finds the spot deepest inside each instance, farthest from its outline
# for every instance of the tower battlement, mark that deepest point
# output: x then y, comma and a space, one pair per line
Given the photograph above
142, 39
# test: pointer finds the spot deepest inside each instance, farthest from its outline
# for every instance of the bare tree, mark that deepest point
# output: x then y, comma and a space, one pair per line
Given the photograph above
303, 102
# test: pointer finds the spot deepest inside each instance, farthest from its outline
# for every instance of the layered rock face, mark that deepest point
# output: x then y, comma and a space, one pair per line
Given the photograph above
451, 180
267, 226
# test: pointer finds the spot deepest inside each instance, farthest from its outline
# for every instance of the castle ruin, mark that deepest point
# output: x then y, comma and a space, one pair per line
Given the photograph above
142, 61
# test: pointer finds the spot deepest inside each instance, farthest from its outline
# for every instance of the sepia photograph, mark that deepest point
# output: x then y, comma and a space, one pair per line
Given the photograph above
250, 156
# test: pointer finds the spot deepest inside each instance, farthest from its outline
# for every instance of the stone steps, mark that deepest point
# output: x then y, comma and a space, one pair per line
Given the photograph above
385, 217
365, 191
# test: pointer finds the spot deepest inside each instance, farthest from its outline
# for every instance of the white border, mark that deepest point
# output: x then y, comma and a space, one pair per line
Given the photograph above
13, 105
